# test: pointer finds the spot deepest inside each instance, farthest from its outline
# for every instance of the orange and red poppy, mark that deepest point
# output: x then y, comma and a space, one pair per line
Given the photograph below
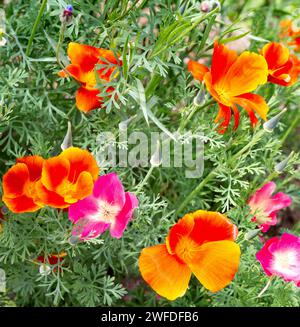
289, 31
284, 68
84, 59
19, 185
201, 243
67, 178
52, 259
230, 80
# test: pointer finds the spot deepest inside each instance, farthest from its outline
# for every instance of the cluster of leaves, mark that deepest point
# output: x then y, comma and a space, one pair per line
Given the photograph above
154, 90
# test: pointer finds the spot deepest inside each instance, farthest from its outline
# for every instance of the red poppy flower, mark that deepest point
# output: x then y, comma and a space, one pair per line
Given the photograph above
284, 68
19, 185
67, 178
52, 259
201, 243
84, 58
230, 80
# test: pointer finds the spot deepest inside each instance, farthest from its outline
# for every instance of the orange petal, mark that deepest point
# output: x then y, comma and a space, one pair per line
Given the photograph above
87, 99
246, 73
74, 71
276, 55
180, 229
216, 264
80, 160
34, 164
85, 56
83, 188
50, 198
15, 180
167, 276
212, 226
253, 102
198, 70
21, 204
55, 172
224, 117
222, 60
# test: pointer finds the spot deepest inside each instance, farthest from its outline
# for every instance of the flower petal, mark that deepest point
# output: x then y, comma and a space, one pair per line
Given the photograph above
55, 172
21, 204
167, 276
34, 165
85, 56
109, 188
246, 73
222, 60
50, 198
223, 117
276, 55
83, 208
212, 226
265, 257
216, 264
15, 180
123, 218
83, 188
253, 102
198, 70
87, 99
80, 160
262, 194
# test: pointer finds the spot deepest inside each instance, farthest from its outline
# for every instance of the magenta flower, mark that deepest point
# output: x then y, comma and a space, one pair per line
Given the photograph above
265, 206
108, 207
281, 257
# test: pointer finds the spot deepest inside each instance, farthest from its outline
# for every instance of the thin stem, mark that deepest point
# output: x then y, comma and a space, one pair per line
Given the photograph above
35, 26
266, 287
289, 130
184, 122
144, 181
59, 43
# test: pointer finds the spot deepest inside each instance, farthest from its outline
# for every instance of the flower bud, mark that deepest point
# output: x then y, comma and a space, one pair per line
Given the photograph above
251, 234
73, 240
208, 5
67, 15
271, 124
279, 168
124, 124
67, 142
199, 98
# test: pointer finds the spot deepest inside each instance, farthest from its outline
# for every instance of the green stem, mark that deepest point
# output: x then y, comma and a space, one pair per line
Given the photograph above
35, 26
214, 171
144, 181
184, 122
59, 43
289, 130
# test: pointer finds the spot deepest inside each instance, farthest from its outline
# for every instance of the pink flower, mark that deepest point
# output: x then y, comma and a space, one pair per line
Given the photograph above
281, 257
265, 206
108, 207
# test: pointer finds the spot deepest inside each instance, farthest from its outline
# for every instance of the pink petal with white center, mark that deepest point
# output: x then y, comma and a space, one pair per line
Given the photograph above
86, 229
109, 188
123, 218
271, 222
83, 208
281, 257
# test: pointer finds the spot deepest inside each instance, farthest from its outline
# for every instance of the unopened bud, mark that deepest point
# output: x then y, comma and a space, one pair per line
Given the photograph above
156, 158
279, 168
73, 240
251, 234
208, 5
271, 124
199, 98
67, 142
67, 15
124, 124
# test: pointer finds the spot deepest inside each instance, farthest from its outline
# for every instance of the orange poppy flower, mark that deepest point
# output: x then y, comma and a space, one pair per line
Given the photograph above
201, 243
284, 67
19, 185
84, 58
290, 31
230, 80
67, 178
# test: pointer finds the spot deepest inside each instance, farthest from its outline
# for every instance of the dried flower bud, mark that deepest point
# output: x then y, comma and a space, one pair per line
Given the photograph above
279, 168
271, 124
67, 142
67, 15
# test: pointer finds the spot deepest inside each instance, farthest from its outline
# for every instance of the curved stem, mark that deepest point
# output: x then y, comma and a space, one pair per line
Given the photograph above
35, 26
266, 287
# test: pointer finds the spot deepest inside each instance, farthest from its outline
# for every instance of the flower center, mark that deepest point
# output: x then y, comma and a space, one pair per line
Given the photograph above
224, 97
186, 248
106, 212
285, 262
